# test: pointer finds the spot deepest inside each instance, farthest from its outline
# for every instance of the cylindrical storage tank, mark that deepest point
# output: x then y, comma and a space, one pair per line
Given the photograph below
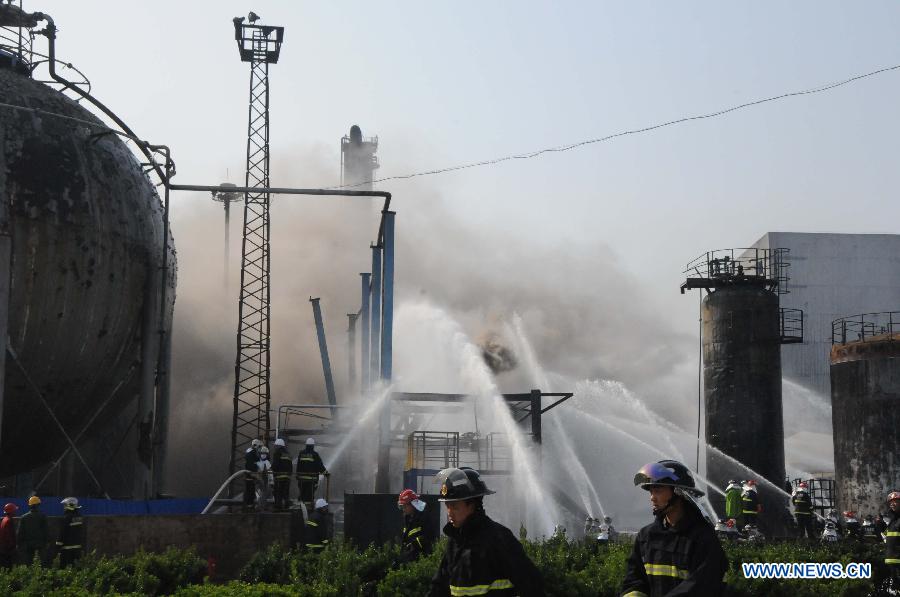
742, 384
865, 415
87, 237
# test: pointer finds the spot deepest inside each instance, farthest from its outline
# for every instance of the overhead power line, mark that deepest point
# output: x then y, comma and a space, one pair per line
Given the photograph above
646, 129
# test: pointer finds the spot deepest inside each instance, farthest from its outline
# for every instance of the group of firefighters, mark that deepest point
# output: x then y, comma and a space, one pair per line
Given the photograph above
32, 537
677, 553
277, 472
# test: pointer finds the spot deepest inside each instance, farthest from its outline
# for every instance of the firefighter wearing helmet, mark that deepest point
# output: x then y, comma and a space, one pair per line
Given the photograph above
892, 538
803, 510
415, 538
71, 533
750, 503
482, 557
679, 550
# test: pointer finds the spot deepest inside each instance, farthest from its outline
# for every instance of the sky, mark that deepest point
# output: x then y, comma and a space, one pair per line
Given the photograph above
603, 231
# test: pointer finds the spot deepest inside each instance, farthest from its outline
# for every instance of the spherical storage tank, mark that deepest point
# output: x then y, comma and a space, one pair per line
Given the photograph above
865, 410
86, 228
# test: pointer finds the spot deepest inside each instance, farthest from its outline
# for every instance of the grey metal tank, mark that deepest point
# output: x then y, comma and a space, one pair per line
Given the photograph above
742, 381
87, 229
865, 409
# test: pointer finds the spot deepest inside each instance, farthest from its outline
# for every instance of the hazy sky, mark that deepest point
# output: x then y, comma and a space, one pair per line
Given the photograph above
448, 83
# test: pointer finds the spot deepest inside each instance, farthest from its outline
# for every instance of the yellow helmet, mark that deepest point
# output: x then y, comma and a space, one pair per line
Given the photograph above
34, 501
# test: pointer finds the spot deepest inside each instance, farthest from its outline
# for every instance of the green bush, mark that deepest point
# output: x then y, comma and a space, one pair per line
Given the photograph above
568, 569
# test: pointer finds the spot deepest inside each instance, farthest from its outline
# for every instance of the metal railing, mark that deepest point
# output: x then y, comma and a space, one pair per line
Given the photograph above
770, 265
791, 325
432, 450
866, 327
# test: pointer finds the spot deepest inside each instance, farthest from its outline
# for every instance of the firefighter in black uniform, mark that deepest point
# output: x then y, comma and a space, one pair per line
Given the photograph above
282, 467
318, 532
414, 539
750, 506
482, 557
892, 539
71, 533
803, 510
251, 458
309, 467
678, 553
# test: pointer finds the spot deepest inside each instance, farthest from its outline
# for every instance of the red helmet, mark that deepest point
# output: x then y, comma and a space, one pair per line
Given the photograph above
894, 495
730, 523
407, 496
10, 508
802, 485
751, 482
850, 514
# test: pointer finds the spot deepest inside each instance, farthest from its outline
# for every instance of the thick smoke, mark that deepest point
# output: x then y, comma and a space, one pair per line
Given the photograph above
586, 317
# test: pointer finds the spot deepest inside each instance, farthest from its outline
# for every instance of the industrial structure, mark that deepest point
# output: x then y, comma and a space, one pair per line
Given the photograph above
743, 328
358, 159
833, 275
87, 273
259, 45
865, 390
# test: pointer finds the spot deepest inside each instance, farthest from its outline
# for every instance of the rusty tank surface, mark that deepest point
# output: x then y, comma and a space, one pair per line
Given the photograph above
87, 238
865, 396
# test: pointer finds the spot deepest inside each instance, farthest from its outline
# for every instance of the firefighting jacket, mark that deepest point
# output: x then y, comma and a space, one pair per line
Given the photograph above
282, 465
750, 502
71, 532
802, 504
483, 557
683, 560
414, 539
892, 540
316, 532
309, 465
251, 457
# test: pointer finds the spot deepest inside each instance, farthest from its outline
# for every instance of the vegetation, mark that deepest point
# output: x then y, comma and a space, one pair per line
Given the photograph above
569, 569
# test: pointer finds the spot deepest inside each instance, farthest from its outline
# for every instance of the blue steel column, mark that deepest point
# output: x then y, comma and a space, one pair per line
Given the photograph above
364, 339
323, 350
375, 338
387, 308
382, 478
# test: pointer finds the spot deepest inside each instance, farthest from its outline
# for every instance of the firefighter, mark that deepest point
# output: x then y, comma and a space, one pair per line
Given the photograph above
482, 556
71, 533
852, 528
282, 466
678, 553
414, 539
892, 539
750, 506
34, 533
251, 460
7, 536
803, 510
317, 527
309, 467
733, 501
264, 467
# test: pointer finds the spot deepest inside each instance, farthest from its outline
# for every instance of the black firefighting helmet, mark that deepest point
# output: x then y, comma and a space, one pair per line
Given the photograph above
667, 472
459, 484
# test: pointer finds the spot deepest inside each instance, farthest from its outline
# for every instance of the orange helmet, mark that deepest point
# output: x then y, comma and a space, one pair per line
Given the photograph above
10, 508
407, 496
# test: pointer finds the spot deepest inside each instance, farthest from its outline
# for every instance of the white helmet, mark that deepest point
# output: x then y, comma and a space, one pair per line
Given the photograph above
310, 441
320, 503
256, 443
279, 442
70, 503
264, 450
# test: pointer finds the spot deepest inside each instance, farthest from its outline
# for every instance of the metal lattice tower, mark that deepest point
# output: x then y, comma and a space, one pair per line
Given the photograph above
260, 46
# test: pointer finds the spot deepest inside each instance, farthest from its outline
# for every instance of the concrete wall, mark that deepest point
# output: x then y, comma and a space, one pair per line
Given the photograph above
231, 539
